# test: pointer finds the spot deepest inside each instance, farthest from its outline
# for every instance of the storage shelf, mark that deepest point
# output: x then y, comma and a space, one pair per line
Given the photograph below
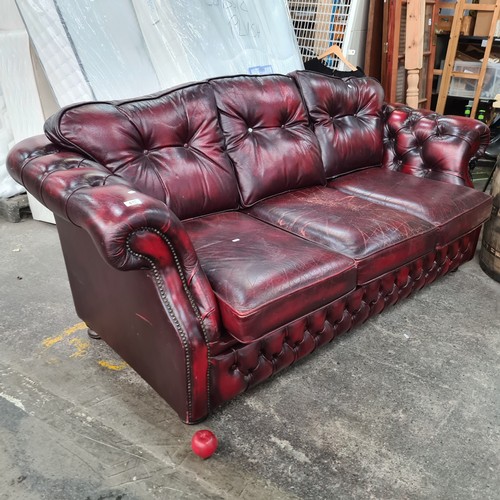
471, 39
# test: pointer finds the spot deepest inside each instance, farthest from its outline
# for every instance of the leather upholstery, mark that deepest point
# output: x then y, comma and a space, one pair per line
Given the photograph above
241, 366
205, 300
267, 134
85, 193
454, 210
169, 146
378, 238
425, 144
346, 118
150, 237
153, 332
29, 148
264, 277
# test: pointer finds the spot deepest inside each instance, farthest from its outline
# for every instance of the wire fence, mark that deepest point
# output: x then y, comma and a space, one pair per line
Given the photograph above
318, 24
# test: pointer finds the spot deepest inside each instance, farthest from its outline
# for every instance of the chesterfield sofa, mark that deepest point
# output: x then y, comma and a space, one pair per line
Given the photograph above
220, 231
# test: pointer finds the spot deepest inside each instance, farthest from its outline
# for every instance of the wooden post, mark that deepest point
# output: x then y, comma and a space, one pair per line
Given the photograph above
414, 48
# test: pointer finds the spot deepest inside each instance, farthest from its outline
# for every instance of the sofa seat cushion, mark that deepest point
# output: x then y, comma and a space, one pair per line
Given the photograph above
454, 210
378, 238
264, 277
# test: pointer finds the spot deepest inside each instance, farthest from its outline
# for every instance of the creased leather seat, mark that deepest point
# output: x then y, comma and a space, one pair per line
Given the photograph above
264, 277
378, 238
453, 209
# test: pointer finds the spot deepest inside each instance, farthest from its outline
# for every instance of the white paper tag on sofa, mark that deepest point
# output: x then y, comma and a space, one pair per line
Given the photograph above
131, 203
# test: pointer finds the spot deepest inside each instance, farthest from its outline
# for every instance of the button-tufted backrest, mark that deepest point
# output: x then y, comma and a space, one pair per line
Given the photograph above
346, 115
267, 133
426, 144
168, 145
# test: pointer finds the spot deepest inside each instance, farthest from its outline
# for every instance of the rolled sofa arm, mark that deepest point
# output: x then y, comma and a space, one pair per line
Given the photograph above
426, 144
131, 230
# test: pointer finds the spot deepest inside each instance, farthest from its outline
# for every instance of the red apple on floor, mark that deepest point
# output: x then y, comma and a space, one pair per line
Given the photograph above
204, 443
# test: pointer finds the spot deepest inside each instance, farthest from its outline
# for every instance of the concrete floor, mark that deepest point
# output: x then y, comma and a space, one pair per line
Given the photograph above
405, 407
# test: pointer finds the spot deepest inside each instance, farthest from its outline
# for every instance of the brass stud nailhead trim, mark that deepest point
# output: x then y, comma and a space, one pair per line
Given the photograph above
170, 311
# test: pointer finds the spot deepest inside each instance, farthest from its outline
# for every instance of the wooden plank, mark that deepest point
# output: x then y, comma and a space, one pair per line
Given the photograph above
373, 48
432, 53
392, 68
450, 56
386, 36
487, 52
414, 48
468, 76
470, 6
481, 7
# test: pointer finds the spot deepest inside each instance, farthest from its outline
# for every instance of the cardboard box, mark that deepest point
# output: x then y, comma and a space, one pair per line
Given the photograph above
444, 24
483, 20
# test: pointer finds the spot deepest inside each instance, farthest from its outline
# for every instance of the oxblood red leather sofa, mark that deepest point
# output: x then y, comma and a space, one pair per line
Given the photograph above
216, 233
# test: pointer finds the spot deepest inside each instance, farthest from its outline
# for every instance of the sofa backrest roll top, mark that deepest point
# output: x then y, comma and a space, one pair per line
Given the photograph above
346, 116
267, 134
168, 145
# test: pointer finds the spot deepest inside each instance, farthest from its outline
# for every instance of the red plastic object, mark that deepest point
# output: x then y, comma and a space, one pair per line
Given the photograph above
204, 443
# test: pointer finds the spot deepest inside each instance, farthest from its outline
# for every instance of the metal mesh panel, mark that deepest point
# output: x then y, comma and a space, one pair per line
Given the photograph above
319, 24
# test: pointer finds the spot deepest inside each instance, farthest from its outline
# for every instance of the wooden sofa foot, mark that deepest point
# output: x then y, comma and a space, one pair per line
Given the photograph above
93, 335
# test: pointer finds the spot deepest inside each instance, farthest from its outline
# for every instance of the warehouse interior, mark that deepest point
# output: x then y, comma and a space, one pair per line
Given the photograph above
403, 405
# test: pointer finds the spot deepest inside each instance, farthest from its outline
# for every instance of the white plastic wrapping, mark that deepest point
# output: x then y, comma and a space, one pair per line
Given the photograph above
206, 38
21, 113
18, 85
109, 45
115, 49
8, 187
54, 48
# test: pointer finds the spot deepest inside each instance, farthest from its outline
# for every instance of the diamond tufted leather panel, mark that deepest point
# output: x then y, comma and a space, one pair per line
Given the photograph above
169, 146
378, 238
347, 120
264, 277
267, 134
22, 152
243, 366
426, 144
454, 210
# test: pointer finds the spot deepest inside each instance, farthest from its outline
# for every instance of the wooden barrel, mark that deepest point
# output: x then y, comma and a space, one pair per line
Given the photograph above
489, 256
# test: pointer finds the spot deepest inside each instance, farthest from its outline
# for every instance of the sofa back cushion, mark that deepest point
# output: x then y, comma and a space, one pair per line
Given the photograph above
346, 115
168, 145
268, 137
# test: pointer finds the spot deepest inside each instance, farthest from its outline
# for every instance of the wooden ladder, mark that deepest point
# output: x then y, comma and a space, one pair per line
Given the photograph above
448, 70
